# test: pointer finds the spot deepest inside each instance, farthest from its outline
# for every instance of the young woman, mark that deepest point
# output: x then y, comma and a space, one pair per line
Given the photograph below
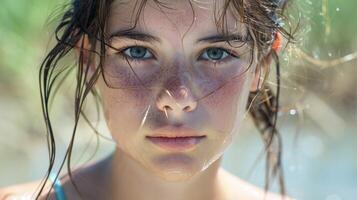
174, 79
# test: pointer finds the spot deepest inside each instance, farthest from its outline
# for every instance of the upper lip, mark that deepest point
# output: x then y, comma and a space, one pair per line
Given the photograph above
173, 131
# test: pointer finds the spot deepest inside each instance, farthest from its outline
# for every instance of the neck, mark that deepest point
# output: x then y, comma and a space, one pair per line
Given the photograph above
130, 180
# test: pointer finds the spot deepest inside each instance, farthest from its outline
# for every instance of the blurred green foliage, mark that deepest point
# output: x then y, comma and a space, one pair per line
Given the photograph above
333, 27
23, 37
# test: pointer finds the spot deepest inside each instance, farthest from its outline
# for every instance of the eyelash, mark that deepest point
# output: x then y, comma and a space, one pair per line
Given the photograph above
121, 53
229, 53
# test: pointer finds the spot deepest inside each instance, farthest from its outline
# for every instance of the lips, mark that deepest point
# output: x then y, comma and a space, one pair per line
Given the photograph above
172, 132
176, 138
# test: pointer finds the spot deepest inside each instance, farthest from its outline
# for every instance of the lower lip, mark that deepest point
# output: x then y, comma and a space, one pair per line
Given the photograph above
177, 143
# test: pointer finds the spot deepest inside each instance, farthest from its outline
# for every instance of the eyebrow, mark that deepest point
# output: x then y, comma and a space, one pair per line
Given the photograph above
135, 35
223, 38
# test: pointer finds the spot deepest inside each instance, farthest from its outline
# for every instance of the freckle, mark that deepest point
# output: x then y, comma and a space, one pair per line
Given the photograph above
139, 97
226, 94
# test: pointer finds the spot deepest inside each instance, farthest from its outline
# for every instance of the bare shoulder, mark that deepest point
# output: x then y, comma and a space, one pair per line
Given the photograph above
236, 188
21, 191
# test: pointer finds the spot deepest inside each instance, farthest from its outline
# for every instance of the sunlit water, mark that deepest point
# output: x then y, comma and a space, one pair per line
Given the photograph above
318, 166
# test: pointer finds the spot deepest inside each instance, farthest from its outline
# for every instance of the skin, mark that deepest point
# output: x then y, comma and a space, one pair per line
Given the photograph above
140, 170
213, 116
173, 175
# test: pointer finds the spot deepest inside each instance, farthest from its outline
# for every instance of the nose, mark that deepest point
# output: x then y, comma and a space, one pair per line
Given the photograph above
176, 100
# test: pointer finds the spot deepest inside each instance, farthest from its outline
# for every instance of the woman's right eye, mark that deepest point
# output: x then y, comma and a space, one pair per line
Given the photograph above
137, 53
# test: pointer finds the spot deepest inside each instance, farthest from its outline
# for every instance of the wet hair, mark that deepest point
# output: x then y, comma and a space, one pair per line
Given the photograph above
87, 18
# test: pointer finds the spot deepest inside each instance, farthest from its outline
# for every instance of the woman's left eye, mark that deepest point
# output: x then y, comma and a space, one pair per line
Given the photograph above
214, 54
137, 52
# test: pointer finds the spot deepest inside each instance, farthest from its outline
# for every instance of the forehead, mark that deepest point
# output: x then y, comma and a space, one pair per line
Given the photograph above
189, 18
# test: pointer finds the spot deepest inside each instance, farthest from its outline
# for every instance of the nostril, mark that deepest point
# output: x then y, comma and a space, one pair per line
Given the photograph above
167, 107
171, 102
187, 108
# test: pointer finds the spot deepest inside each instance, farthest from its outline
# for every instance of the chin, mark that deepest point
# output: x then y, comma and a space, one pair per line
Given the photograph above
176, 176
176, 167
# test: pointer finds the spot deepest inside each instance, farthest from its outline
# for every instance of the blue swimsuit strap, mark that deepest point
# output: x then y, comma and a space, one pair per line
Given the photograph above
57, 187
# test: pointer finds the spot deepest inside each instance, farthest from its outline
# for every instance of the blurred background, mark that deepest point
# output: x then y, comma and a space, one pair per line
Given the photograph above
317, 120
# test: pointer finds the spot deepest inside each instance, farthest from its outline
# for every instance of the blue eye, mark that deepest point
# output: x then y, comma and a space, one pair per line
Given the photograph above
214, 54
137, 52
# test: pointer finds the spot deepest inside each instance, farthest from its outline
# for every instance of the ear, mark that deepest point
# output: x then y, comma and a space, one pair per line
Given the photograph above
83, 50
262, 69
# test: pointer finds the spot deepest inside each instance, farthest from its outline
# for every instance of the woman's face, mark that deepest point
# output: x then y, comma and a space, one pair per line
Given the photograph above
173, 75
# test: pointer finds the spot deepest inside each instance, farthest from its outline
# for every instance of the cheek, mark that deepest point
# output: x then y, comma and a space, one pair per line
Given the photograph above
124, 111
227, 105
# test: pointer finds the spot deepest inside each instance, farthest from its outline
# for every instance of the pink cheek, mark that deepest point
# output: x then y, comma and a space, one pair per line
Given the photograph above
223, 103
123, 108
